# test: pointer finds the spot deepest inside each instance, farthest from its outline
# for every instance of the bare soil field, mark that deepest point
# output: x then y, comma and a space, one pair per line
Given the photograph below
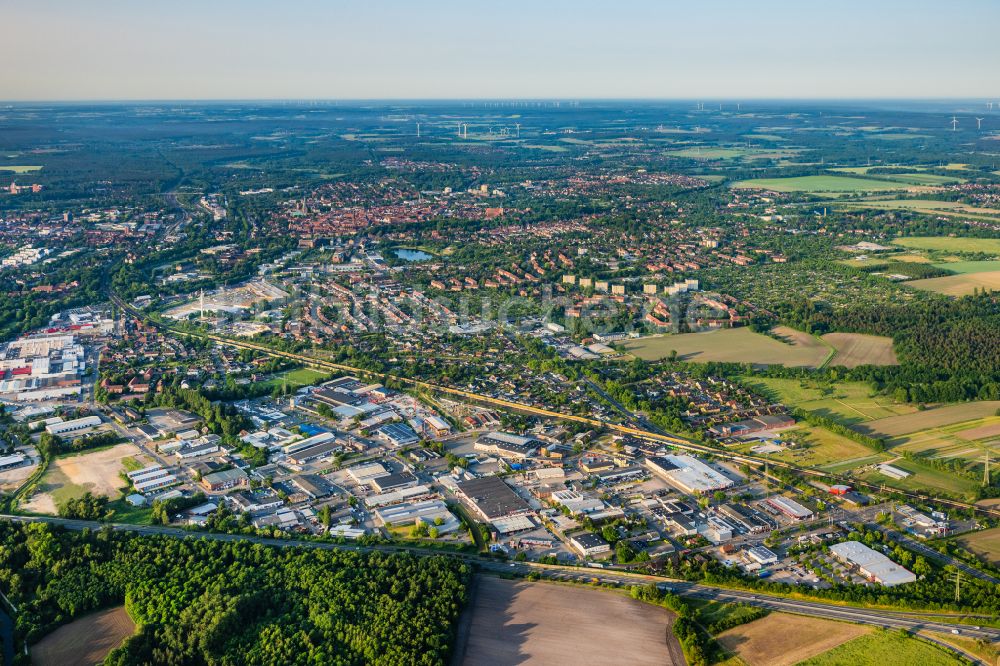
72, 476
894, 426
782, 640
516, 622
854, 349
982, 432
737, 345
86, 641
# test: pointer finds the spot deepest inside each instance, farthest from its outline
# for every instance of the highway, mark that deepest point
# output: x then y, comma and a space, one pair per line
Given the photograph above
648, 435
911, 621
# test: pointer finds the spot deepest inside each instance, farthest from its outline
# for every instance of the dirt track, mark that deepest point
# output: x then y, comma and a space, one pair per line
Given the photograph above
516, 622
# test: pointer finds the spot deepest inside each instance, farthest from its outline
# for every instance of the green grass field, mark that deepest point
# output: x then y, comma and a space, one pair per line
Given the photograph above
925, 479
928, 206
816, 184
847, 402
297, 378
922, 178
19, 168
883, 648
819, 447
547, 148
950, 244
965, 267
708, 153
738, 345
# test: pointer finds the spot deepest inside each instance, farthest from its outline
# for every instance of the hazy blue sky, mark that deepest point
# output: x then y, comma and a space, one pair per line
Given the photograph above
187, 49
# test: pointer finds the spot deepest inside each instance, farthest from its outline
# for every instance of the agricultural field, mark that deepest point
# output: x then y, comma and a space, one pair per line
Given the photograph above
964, 267
71, 476
882, 647
86, 641
895, 426
950, 244
782, 640
921, 178
847, 402
854, 349
985, 544
19, 168
708, 153
965, 440
948, 208
819, 184
516, 622
959, 285
738, 345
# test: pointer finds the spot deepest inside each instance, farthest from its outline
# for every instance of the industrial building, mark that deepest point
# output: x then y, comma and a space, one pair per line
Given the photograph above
230, 478
744, 518
427, 511
73, 425
13, 460
688, 474
390, 482
761, 555
492, 498
506, 445
397, 434
151, 478
589, 544
788, 507
367, 472
873, 565
893, 472
401, 495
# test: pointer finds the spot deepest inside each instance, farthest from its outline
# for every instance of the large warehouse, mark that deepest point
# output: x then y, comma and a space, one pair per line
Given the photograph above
871, 564
492, 498
688, 474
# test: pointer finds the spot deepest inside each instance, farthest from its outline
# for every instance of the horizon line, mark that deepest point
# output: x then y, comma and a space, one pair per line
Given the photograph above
716, 99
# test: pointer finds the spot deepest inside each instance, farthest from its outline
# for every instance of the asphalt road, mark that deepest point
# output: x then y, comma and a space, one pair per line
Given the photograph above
888, 619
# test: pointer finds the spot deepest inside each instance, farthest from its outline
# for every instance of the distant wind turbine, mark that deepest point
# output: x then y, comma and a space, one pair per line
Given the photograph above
954, 123
979, 123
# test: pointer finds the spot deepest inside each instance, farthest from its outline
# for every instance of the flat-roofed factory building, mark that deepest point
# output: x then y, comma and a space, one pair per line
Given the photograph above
492, 498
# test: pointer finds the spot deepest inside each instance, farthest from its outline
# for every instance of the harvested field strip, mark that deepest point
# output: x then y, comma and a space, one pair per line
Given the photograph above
959, 285
86, 641
985, 544
854, 349
781, 639
894, 426
881, 648
516, 622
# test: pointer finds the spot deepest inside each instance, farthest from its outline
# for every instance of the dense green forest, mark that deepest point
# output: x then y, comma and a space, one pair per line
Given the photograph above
212, 602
